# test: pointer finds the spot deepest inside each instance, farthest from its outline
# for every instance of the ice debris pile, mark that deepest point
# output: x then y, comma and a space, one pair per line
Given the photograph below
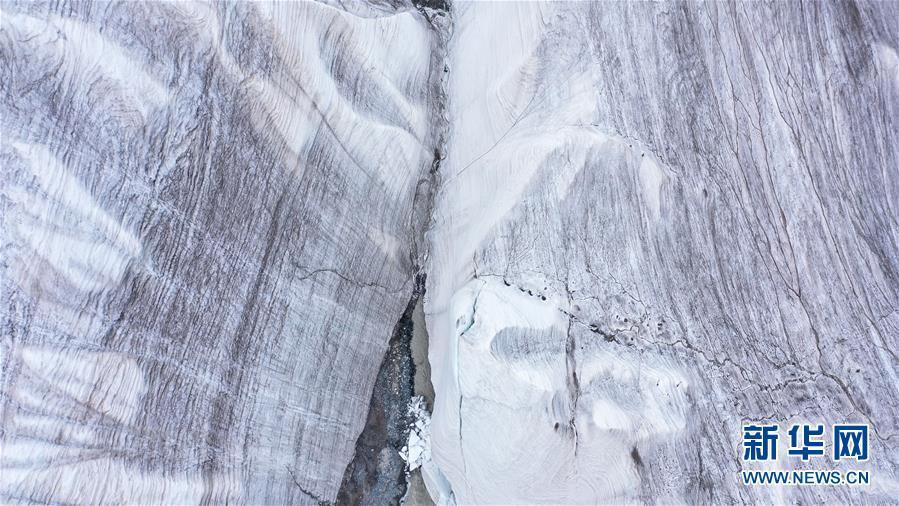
417, 450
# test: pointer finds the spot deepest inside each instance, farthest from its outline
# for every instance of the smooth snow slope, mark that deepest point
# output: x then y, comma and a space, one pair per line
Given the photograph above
656, 222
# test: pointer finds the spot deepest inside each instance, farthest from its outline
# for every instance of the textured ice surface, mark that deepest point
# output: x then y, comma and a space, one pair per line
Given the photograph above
651, 223
705, 196
206, 231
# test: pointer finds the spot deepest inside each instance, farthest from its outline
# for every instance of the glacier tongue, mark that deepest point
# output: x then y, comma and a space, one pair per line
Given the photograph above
657, 222
205, 242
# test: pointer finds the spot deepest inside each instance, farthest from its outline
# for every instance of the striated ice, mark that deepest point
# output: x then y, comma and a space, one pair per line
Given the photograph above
630, 229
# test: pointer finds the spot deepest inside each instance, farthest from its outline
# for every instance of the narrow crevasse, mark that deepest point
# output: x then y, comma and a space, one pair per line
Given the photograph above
378, 472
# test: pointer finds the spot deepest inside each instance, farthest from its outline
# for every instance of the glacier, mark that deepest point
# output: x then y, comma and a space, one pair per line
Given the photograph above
327, 252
